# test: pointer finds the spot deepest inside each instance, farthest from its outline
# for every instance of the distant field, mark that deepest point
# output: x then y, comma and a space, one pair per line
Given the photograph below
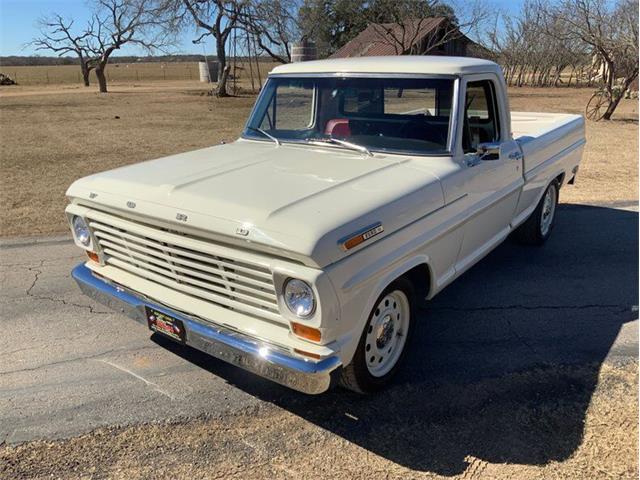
121, 72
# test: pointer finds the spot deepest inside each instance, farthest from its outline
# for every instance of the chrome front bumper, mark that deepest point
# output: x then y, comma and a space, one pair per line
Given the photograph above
236, 348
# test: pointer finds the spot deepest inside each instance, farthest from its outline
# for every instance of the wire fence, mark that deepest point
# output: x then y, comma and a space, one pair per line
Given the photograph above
124, 72
117, 72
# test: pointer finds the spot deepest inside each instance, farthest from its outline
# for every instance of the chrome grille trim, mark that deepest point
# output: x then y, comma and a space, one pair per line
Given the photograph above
194, 267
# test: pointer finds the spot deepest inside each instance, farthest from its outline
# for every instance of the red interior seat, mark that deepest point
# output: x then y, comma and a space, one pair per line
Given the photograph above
338, 127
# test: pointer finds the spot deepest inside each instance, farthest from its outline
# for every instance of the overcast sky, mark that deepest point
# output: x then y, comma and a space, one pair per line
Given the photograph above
18, 24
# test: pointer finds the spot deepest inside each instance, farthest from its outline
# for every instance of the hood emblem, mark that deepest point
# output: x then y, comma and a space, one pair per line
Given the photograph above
131, 204
361, 236
181, 217
243, 232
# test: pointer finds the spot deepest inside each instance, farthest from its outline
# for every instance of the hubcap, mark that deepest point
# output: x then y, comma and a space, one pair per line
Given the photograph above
548, 210
386, 333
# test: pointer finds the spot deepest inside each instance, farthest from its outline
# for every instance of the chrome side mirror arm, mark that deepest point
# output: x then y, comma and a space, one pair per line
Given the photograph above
488, 151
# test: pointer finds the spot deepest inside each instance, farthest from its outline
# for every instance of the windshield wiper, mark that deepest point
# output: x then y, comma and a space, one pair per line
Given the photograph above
269, 136
344, 143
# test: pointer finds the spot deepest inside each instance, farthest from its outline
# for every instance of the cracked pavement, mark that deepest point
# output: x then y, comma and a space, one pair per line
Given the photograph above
69, 365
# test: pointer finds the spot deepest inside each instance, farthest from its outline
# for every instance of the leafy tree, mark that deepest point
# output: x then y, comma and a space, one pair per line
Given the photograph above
331, 24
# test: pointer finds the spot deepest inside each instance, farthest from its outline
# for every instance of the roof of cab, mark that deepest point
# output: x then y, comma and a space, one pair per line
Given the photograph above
420, 64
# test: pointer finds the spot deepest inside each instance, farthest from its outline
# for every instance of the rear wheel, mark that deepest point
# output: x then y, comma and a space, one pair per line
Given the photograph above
537, 229
383, 343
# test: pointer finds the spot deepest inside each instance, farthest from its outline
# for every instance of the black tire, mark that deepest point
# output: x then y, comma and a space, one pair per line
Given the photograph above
356, 376
532, 231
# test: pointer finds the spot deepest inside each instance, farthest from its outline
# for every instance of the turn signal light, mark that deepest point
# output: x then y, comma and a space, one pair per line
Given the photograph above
304, 331
93, 256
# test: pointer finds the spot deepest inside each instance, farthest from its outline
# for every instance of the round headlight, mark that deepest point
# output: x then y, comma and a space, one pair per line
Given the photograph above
299, 297
81, 231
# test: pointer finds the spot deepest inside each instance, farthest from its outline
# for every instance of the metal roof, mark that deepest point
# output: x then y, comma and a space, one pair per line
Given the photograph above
390, 38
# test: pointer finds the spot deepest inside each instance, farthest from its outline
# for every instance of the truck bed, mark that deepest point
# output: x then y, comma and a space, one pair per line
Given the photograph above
546, 136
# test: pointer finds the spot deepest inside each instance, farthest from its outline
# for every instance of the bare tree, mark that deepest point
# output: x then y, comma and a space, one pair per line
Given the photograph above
273, 24
530, 51
217, 18
56, 35
611, 31
120, 22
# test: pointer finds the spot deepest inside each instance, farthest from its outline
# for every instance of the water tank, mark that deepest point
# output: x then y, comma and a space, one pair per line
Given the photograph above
208, 71
303, 51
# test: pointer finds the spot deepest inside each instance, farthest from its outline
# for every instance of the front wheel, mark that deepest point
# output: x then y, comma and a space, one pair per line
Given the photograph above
383, 342
537, 229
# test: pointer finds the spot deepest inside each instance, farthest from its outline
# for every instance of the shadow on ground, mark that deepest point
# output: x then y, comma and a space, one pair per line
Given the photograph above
504, 361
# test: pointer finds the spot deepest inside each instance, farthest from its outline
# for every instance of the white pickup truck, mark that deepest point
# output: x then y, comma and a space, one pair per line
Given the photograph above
359, 187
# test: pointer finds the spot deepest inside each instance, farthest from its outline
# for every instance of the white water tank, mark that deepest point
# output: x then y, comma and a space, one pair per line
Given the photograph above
208, 71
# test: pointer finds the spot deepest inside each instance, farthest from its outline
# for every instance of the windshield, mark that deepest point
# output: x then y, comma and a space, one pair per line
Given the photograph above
388, 114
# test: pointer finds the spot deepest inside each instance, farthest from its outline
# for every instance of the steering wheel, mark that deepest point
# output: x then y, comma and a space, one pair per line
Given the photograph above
416, 129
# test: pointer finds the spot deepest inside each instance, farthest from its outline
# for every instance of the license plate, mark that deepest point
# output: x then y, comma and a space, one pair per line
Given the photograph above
165, 324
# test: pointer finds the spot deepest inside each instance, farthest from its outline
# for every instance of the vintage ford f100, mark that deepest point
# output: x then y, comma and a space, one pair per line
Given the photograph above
359, 188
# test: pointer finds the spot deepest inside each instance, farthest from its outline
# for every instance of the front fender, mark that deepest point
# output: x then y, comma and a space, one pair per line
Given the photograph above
359, 295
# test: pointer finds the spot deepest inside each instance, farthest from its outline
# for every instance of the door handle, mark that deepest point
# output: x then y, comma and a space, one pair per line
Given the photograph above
472, 161
515, 155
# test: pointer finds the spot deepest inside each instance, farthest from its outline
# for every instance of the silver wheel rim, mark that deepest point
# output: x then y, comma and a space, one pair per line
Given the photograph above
387, 333
548, 210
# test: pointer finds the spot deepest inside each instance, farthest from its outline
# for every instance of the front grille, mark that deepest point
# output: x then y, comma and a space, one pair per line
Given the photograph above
194, 267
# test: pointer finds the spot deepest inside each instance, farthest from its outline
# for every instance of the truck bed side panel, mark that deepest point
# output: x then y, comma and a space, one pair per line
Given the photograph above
552, 145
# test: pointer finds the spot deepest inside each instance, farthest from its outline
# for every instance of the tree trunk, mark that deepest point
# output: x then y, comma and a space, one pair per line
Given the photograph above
102, 79
85, 76
223, 69
616, 98
222, 83
85, 71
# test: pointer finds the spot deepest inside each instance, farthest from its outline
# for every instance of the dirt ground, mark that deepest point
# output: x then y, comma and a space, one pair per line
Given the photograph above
273, 442
52, 135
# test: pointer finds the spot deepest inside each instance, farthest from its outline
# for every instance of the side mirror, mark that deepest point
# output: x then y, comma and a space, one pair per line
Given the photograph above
489, 151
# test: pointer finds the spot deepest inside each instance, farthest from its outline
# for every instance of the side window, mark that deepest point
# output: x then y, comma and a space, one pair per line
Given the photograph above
291, 109
481, 123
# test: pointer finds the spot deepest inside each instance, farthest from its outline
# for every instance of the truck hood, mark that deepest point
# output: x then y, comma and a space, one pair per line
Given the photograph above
298, 200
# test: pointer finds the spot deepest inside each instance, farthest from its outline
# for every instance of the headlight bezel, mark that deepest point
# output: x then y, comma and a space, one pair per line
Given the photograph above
288, 297
81, 231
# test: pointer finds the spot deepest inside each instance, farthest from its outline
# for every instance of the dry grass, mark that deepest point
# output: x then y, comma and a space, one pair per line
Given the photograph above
609, 168
48, 141
540, 424
53, 135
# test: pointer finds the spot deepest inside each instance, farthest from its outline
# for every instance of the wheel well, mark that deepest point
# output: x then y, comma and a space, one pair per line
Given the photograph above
560, 179
420, 278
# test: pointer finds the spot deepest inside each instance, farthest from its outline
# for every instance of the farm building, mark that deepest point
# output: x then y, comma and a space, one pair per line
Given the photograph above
424, 36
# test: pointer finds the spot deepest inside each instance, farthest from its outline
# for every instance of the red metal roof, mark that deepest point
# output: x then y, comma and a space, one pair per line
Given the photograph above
390, 38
